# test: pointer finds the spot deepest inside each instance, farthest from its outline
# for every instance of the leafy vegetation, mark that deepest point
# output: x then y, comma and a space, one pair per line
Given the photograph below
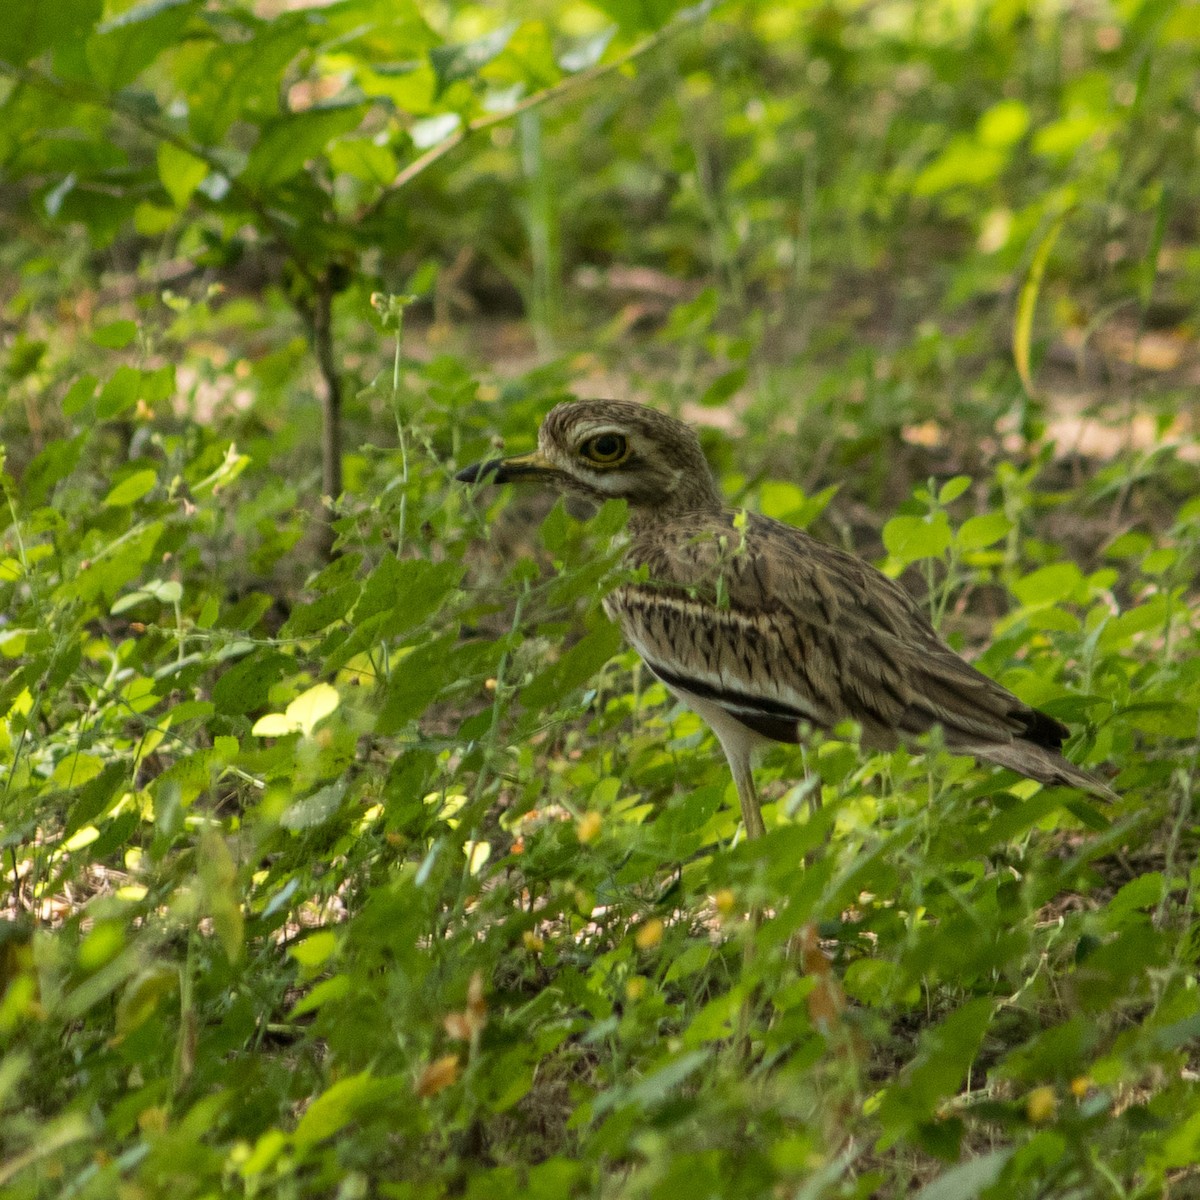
346, 850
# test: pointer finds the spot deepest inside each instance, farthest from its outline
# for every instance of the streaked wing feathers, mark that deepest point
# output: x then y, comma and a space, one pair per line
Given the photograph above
760, 611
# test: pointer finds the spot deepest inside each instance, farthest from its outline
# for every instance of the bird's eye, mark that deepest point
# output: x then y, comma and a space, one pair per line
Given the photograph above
605, 449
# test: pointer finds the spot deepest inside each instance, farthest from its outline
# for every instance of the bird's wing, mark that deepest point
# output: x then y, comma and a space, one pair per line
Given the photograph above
761, 617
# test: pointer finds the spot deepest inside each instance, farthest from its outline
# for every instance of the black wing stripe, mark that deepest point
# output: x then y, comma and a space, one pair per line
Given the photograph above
771, 718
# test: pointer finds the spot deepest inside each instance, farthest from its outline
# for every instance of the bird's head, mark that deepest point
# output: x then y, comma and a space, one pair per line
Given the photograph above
613, 450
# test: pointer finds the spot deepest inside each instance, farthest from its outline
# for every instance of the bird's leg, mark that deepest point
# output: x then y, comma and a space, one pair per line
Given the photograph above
743, 779
826, 1001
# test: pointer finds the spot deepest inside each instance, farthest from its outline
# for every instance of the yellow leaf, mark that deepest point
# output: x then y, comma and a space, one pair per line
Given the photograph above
477, 854
273, 725
81, 838
589, 826
77, 769
1040, 1105
1027, 302
650, 934
438, 1076
311, 707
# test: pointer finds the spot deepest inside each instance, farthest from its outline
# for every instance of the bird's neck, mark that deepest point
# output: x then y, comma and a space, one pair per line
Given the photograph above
692, 492
644, 518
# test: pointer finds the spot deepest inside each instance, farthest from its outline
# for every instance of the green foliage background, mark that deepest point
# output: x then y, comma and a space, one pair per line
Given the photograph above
346, 852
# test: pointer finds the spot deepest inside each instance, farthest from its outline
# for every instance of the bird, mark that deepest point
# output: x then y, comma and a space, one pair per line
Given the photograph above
761, 629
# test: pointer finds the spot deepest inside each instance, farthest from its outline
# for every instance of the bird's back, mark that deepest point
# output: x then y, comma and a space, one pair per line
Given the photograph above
788, 629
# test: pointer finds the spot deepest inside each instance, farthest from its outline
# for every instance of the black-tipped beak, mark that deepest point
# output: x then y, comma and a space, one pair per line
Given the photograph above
480, 470
507, 470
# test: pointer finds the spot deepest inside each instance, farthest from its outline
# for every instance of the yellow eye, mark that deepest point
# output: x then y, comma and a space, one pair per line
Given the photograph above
605, 449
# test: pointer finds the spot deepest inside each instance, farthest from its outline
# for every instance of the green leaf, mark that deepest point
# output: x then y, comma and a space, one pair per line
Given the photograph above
1178, 1033
313, 706
1146, 891
969, 1179
77, 769
977, 532
247, 685
910, 539
25, 356
128, 601
692, 318
217, 871
287, 144
786, 502
1144, 618
586, 52
181, 173
477, 854
724, 387
53, 466
871, 980
314, 810
1004, 124
119, 564
555, 529
142, 996
322, 612
165, 591
188, 776
953, 488
690, 961
946, 1054
1053, 584
116, 335
431, 130
575, 667
421, 674
241, 80
412, 588
341, 1104
132, 488
129, 385
79, 395
452, 63
30, 27
123, 47
964, 163
1149, 266
327, 991
655, 1087
274, 725
119, 393
96, 796
364, 159
315, 950
640, 16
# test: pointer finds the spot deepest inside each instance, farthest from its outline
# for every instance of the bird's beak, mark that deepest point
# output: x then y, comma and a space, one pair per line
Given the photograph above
508, 470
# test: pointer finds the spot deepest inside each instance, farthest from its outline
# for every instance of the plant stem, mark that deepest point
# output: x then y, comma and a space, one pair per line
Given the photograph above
321, 329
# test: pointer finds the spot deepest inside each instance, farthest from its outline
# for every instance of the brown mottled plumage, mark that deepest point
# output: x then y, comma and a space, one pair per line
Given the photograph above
761, 628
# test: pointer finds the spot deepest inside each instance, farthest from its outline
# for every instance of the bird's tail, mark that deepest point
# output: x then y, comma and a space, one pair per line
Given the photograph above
1040, 763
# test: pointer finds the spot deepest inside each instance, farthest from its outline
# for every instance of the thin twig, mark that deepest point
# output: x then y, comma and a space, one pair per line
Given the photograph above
321, 331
